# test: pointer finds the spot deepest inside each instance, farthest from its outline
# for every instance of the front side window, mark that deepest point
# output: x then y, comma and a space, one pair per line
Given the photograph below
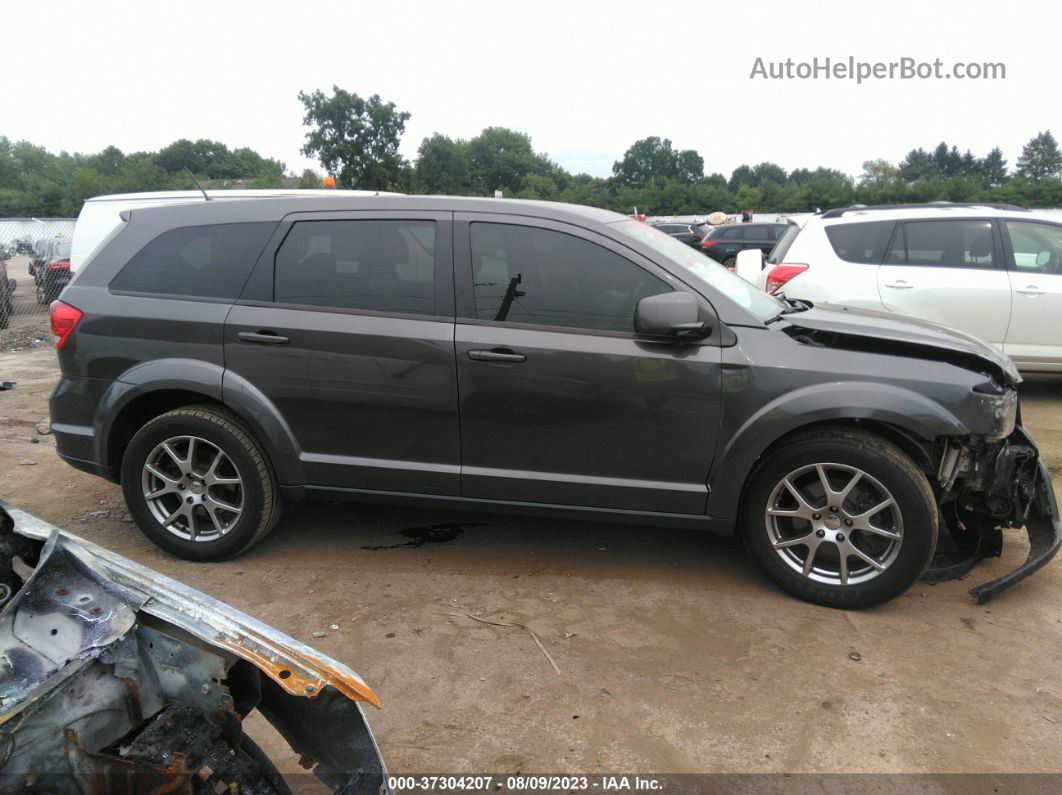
861, 242
377, 265
524, 274
210, 261
1037, 247
943, 244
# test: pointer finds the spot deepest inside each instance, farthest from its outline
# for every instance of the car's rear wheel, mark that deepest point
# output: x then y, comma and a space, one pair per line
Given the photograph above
841, 518
198, 484
6, 310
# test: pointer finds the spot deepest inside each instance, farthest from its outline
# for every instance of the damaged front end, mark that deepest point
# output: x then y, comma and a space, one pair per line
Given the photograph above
116, 679
988, 484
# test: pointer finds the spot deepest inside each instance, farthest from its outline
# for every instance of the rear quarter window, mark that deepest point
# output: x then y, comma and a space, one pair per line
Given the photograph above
211, 261
863, 243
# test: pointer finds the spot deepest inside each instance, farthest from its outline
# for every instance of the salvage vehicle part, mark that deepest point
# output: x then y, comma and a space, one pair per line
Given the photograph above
117, 679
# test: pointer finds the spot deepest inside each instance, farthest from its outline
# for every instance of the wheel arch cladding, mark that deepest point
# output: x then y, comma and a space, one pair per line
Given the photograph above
900, 415
153, 388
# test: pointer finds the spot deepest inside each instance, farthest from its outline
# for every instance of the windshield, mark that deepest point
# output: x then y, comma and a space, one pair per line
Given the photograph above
61, 250
757, 302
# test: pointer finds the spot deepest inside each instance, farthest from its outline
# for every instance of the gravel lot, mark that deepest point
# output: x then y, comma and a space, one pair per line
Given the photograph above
675, 654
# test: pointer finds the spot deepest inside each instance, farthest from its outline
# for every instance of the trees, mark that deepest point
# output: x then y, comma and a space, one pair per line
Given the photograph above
443, 166
918, 164
653, 158
500, 159
652, 175
1040, 158
355, 139
994, 168
213, 160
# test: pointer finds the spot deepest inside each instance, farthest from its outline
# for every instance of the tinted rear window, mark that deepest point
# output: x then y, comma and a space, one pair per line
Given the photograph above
864, 243
378, 265
944, 244
196, 261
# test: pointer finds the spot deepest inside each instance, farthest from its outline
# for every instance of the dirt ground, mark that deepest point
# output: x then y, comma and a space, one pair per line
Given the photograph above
675, 653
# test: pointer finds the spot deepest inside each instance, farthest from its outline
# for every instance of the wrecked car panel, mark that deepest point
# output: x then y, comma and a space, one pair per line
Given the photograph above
991, 484
115, 678
828, 325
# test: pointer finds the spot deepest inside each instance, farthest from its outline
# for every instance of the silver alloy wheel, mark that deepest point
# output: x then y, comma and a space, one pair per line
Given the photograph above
834, 524
192, 488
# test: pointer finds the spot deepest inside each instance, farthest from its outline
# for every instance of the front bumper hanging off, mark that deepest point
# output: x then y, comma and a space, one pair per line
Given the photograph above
988, 486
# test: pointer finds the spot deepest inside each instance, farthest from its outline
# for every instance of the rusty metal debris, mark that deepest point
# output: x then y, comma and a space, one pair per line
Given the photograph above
116, 679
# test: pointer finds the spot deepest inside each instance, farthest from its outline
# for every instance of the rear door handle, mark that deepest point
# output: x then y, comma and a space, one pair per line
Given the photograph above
899, 284
262, 337
1032, 289
501, 355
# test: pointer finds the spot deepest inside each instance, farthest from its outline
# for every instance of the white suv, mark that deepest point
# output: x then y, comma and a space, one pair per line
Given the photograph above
993, 271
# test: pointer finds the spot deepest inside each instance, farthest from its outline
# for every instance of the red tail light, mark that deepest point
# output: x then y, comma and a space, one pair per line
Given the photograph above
707, 243
781, 274
64, 320
58, 265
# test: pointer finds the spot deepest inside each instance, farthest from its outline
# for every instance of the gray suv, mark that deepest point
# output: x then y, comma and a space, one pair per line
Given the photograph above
220, 358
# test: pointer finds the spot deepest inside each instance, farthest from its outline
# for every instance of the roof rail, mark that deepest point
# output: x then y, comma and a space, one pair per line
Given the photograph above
840, 211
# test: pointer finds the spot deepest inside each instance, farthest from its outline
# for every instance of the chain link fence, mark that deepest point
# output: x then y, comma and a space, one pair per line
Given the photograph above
34, 268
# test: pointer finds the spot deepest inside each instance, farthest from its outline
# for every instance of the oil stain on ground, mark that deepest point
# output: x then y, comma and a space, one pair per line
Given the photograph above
431, 534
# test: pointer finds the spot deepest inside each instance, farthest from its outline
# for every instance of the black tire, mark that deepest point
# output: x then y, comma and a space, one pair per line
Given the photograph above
6, 310
261, 504
884, 469
730, 263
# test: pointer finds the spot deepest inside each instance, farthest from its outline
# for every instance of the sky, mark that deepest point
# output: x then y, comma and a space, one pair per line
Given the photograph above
584, 79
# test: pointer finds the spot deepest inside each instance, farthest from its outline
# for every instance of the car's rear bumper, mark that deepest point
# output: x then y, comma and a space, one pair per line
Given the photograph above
72, 405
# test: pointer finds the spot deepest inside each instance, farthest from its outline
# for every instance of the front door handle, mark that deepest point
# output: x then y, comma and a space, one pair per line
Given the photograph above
262, 338
498, 355
1032, 289
899, 284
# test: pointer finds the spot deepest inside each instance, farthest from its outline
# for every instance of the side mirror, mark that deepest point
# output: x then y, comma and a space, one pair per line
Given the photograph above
749, 265
674, 314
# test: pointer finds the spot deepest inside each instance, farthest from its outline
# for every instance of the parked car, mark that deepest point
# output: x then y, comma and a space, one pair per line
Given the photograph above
118, 679
724, 242
993, 271
221, 357
684, 233
38, 255
53, 274
7, 293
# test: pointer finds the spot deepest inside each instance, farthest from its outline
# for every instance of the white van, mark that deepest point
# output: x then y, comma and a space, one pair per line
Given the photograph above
100, 214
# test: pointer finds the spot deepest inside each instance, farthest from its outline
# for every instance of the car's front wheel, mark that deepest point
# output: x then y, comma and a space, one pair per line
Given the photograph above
841, 518
198, 485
